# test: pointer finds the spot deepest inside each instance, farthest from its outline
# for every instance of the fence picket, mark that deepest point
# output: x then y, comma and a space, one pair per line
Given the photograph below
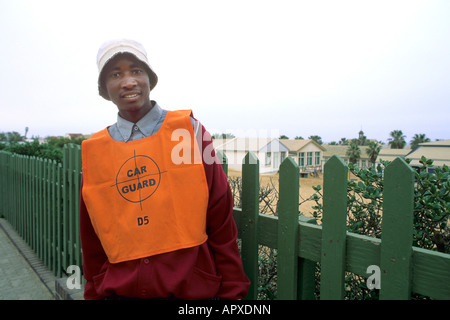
20, 195
66, 212
288, 231
28, 199
45, 211
250, 213
54, 210
397, 231
40, 209
35, 212
60, 210
71, 186
76, 207
334, 229
223, 160
32, 242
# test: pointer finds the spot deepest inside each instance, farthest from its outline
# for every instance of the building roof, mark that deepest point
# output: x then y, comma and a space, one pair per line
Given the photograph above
388, 154
74, 135
298, 144
438, 151
444, 143
241, 144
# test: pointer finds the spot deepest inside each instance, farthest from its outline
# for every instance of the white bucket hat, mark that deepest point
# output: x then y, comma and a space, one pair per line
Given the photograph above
114, 47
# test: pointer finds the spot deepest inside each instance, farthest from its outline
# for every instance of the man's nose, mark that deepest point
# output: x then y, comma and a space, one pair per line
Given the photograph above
129, 82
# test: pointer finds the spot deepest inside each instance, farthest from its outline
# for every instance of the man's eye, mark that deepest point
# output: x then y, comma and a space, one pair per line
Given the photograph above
114, 75
137, 71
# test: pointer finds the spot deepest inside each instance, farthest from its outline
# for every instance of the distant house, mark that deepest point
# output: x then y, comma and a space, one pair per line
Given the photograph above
269, 151
341, 151
438, 151
308, 154
388, 154
73, 135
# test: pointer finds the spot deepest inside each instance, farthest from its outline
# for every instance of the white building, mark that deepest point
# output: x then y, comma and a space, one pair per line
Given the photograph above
269, 151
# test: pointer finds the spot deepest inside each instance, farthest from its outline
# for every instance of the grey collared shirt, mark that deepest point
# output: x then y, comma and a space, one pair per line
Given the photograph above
124, 130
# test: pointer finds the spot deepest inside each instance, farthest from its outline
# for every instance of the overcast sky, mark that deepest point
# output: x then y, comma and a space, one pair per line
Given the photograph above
298, 68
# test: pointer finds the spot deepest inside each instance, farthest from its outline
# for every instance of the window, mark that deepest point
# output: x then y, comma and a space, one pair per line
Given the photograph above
310, 157
317, 158
363, 164
268, 158
301, 159
283, 156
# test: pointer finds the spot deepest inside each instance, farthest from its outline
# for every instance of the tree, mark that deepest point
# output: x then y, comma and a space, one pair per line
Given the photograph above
223, 136
343, 141
398, 139
283, 137
14, 137
373, 150
362, 138
298, 138
354, 153
59, 142
316, 139
418, 138
52, 150
36, 149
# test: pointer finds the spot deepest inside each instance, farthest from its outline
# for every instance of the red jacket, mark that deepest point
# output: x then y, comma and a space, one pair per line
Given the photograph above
213, 269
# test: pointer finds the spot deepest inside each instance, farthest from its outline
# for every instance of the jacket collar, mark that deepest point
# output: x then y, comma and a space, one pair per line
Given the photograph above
146, 125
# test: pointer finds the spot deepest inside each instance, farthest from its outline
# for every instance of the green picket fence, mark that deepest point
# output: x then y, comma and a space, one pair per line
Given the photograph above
40, 199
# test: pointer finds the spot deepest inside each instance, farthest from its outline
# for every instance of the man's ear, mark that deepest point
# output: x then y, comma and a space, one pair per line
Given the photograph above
103, 92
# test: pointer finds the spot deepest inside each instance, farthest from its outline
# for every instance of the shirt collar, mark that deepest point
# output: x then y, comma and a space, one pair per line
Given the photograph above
146, 125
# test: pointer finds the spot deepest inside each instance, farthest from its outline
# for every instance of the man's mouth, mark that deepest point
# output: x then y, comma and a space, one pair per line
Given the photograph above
130, 95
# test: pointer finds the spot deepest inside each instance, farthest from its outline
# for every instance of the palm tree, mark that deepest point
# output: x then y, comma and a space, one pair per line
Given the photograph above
353, 153
418, 138
398, 139
373, 150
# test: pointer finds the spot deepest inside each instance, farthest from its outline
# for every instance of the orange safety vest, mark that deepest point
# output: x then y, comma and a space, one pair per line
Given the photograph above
141, 202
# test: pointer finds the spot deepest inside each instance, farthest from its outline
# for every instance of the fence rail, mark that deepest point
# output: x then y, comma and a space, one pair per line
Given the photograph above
40, 198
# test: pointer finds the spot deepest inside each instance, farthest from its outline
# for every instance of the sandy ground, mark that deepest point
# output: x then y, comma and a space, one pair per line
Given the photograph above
306, 185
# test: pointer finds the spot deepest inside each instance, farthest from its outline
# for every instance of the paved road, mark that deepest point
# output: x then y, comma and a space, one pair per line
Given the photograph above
18, 280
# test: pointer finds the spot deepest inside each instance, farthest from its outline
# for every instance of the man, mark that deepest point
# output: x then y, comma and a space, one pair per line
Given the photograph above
155, 216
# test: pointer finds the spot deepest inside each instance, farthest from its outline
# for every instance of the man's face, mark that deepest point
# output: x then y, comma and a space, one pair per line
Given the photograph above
128, 86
